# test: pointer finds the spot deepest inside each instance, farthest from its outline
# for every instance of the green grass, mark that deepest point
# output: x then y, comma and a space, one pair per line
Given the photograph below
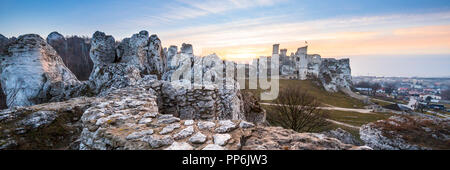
338, 99
381, 103
388, 99
355, 118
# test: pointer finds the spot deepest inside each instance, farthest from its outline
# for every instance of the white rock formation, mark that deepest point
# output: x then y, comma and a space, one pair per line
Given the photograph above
102, 49
407, 133
115, 122
54, 37
33, 73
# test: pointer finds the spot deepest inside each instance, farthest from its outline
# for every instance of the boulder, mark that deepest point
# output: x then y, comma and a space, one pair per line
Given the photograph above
44, 126
102, 50
115, 121
33, 73
335, 74
343, 136
407, 133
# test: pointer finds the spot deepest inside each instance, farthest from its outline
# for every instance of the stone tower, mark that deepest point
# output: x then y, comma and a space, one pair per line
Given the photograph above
276, 48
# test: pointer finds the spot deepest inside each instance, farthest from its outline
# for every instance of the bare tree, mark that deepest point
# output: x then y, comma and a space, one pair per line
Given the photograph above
298, 110
2, 99
446, 94
390, 87
375, 87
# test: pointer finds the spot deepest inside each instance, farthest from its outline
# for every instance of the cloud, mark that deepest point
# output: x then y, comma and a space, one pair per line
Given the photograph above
333, 36
185, 9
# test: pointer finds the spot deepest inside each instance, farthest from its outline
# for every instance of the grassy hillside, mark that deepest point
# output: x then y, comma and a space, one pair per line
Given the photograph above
355, 118
338, 99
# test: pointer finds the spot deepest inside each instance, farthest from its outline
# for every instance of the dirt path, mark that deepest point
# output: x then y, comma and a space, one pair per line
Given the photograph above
343, 124
365, 111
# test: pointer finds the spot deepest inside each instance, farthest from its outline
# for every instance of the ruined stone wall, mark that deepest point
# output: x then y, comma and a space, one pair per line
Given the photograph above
207, 103
332, 74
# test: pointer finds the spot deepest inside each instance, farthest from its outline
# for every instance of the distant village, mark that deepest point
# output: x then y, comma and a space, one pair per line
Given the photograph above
426, 95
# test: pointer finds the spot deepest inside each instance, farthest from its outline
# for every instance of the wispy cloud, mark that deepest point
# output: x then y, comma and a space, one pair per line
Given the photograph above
276, 29
185, 9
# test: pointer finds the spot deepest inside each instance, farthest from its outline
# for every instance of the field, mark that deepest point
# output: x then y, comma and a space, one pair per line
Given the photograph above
335, 99
380, 102
357, 119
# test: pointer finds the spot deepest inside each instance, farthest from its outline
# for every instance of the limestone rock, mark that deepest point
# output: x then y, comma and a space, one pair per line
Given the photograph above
335, 74
186, 132
55, 37
156, 57
213, 147
33, 73
205, 124
188, 122
277, 138
56, 123
113, 122
39, 118
187, 49
221, 139
407, 133
156, 142
180, 146
198, 138
169, 128
245, 124
140, 134
343, 136
102, 49
225, 126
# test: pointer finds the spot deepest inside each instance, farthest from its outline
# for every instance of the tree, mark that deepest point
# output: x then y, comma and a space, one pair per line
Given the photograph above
298, 110
446, 94
363, 84
2, 99
428, 99
375, 87
390, 87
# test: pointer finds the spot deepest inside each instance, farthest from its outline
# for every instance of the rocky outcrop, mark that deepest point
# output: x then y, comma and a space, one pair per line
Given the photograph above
44, 126
102, 50
335, 74
407, 133
343, 136
141, 59
252, 109
33, 73
207, 103
123, 66
129, 118
55, 38
277, 138
143, 52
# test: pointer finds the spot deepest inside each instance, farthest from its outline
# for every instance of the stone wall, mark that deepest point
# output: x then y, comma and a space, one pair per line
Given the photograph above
206, 103
129, 119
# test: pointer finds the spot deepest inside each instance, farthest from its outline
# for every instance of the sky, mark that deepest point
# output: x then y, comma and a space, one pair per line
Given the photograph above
381, 37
